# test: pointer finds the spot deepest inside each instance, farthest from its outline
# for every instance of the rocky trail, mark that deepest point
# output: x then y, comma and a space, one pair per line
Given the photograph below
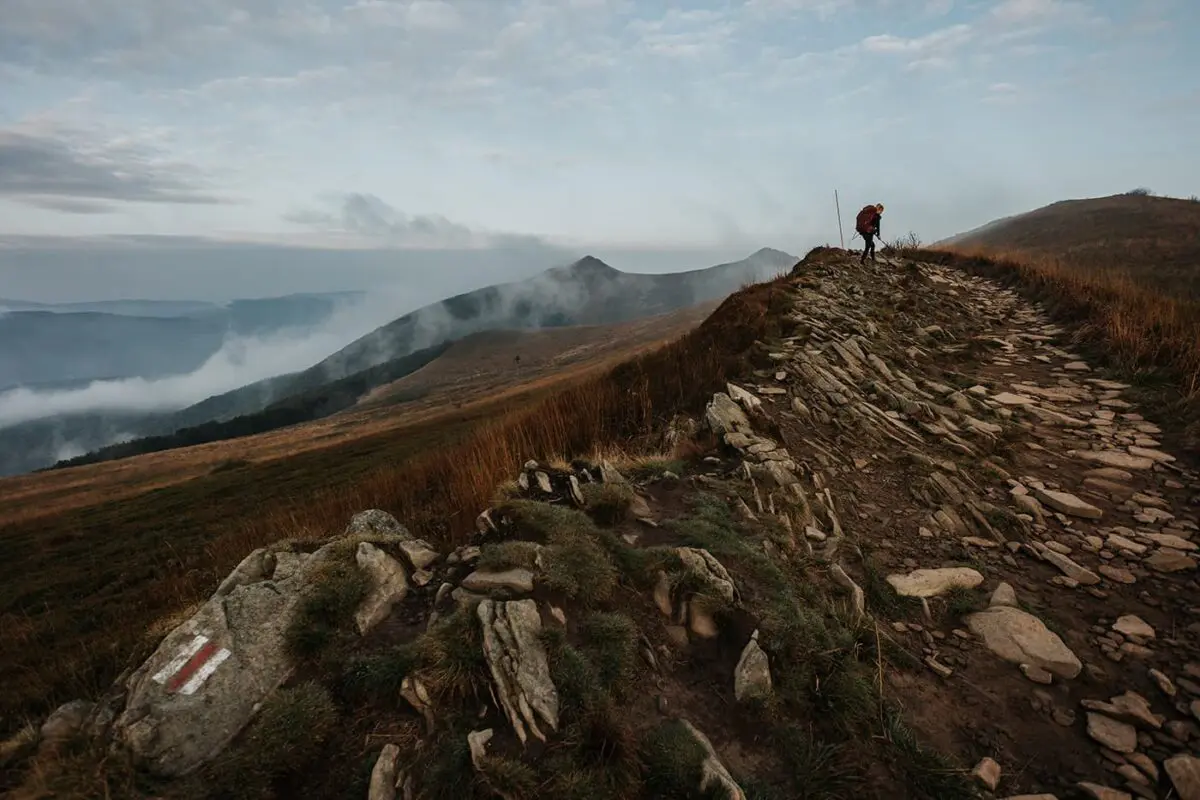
920, 549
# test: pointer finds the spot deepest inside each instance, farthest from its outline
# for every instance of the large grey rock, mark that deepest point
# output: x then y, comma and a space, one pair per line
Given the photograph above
1020, 637
934, 582
209, 675
513, 647
389, 585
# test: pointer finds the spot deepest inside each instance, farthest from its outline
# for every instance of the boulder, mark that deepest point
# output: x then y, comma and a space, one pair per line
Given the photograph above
205, 681
209, 675
1020, 637
420, 553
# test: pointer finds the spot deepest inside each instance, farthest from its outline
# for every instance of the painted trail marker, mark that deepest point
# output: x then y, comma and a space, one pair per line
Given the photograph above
194, 664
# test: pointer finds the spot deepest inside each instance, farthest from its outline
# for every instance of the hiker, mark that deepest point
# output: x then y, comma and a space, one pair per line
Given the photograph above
867, 224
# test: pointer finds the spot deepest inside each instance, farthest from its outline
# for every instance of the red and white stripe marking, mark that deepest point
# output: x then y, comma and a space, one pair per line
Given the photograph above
195, 662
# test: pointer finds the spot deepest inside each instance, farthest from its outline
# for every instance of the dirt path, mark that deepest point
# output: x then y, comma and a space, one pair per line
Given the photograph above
953, 427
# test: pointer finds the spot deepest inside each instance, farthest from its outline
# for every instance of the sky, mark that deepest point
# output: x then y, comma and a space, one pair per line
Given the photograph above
212, 149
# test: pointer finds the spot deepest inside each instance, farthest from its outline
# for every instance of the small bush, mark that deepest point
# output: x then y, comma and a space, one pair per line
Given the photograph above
608, 503
337, 588
929, 774
287, 735
507, 555
454, 667
671, 760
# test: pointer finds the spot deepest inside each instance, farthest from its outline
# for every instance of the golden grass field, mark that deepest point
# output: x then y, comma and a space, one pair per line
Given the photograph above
94, 559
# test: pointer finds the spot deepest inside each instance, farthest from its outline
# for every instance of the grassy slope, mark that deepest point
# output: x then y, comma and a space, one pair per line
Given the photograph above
78, 591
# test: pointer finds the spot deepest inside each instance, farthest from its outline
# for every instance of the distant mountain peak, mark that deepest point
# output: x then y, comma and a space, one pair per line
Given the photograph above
588, 268
770, 251
591, 264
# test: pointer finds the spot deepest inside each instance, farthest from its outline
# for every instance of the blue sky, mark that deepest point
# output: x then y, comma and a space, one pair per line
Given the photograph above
657, 135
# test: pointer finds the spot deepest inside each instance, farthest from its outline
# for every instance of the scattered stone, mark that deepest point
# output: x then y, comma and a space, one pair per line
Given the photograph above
1004, 595
518, 580
1068, 504
1167, 560
1021, 638
933, 582
1184, 772
987, 772
1120, 737
389, 585
1071, 569
1133, 625
752, 676
713, 773
383, 776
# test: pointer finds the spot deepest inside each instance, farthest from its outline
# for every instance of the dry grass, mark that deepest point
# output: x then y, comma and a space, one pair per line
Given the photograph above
1150, 336
79, 590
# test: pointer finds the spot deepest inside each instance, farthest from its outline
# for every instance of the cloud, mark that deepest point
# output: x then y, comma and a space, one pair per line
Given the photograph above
55, 172
370, 217
241, 360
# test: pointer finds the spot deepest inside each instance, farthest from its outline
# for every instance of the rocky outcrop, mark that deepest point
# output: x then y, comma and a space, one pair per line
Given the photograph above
517, 658
209, 675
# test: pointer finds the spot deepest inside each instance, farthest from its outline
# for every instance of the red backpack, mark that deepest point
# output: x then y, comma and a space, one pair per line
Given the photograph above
865, 222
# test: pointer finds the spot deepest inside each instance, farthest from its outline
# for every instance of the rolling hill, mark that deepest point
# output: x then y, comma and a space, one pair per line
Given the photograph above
1152, 240
588, 292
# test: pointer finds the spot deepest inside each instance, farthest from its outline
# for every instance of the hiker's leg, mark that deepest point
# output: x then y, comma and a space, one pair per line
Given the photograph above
869, 248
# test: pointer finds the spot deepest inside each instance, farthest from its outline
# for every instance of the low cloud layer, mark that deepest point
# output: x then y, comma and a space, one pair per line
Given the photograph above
240, 361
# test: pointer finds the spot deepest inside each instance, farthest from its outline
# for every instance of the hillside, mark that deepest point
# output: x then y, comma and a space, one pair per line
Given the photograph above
871, 531
1153, 240
588, 292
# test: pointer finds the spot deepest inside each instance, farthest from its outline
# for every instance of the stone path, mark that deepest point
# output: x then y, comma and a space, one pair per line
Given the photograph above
951, 426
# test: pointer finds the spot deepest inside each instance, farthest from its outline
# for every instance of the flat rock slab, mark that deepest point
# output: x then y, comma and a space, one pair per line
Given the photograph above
1068, 503
934, 582
1020, 637
1184, 772
1133, 625
510, 581
1120, 737
1115, 458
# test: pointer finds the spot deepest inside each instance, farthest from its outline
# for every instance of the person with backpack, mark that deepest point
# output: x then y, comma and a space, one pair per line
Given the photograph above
867, 225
